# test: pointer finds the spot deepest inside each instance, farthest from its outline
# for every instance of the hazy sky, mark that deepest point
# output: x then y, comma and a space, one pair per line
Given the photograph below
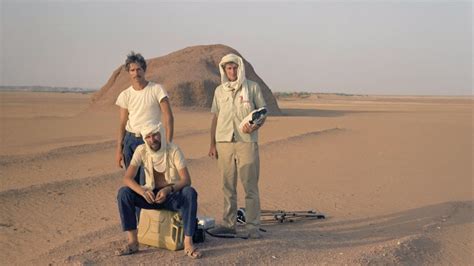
369, 47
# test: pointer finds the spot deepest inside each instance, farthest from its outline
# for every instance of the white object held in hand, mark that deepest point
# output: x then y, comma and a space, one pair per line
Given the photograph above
255, 117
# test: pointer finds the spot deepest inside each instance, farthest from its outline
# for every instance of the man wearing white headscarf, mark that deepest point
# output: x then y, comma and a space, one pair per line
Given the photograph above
167, 186
235, 148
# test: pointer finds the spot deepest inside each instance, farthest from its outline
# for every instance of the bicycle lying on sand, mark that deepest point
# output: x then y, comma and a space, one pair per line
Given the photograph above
273, 216
281, 216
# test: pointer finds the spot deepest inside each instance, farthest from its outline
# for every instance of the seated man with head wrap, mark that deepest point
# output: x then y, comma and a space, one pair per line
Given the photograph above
167, 186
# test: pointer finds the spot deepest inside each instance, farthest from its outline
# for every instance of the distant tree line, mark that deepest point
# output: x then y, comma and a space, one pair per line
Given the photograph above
45, 89
305, 94
282, 95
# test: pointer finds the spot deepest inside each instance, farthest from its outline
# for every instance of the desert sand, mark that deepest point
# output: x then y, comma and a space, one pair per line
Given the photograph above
392, 174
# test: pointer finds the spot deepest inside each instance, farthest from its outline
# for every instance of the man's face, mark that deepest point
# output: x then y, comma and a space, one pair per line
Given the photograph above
136, 72
231, 71
154, 141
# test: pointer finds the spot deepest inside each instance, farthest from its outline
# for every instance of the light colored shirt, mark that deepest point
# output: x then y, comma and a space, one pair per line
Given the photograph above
143, 105
230, 110
175, 162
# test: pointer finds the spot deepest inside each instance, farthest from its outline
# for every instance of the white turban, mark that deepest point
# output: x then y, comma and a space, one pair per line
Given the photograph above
241, 79
158, 158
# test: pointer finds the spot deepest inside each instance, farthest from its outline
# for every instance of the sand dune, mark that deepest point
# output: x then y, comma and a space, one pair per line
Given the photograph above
395, 181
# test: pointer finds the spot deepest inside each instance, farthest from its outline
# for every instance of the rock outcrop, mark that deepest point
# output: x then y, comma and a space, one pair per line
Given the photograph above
190, 77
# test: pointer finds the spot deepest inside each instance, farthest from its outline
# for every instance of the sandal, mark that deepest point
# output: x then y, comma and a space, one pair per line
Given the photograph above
193, 253
127, 250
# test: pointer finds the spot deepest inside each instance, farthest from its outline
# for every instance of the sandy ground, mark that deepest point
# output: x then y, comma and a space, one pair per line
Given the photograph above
392, 174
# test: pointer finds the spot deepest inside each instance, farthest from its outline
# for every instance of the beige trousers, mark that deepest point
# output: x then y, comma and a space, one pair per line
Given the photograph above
240, 159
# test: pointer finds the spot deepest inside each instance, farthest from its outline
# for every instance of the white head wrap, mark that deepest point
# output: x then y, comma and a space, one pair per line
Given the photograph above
158, 158
241, 79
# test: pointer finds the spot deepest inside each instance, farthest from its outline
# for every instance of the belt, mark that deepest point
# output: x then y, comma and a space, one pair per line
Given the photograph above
136, 135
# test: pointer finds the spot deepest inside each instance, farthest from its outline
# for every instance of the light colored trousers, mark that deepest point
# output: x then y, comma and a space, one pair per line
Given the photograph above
240, 159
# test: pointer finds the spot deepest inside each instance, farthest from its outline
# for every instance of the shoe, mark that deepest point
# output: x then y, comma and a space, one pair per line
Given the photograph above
222, 230
255, 234
193, 253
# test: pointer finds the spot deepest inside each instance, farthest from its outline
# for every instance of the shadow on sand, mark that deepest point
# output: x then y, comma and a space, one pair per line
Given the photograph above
325, 234
295, 242
387, 227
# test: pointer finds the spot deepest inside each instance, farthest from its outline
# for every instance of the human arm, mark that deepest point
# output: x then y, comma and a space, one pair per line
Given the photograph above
123, 117
168, 119
259, 102
130, 182
184, 180
212, 149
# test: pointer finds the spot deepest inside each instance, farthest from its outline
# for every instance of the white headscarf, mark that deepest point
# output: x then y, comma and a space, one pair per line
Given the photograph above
156, 158
241, 79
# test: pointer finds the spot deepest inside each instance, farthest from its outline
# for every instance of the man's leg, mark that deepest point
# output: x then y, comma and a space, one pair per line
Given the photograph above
248, 163
130, 143
185, 202
228, 171
128, 200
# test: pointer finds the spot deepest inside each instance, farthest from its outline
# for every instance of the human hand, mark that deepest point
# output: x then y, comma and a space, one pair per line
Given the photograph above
148, 195
249, 128
119, 158
213, 152
162, 194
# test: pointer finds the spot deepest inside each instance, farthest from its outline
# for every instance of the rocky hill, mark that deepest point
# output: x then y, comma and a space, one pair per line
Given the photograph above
190, 77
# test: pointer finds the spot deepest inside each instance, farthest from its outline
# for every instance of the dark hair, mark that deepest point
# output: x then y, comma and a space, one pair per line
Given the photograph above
135, 58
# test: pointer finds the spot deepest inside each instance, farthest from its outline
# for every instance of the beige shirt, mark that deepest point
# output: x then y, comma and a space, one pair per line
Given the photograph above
230, 110
175, 162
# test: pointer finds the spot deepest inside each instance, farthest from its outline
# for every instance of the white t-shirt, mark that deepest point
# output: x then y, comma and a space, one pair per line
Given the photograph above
143, 106
176, 162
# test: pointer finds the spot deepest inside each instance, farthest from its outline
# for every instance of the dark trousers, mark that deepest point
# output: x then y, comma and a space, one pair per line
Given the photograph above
130, 143
184, 202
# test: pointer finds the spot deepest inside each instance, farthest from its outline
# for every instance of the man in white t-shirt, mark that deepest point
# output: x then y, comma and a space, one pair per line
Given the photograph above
144, 102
